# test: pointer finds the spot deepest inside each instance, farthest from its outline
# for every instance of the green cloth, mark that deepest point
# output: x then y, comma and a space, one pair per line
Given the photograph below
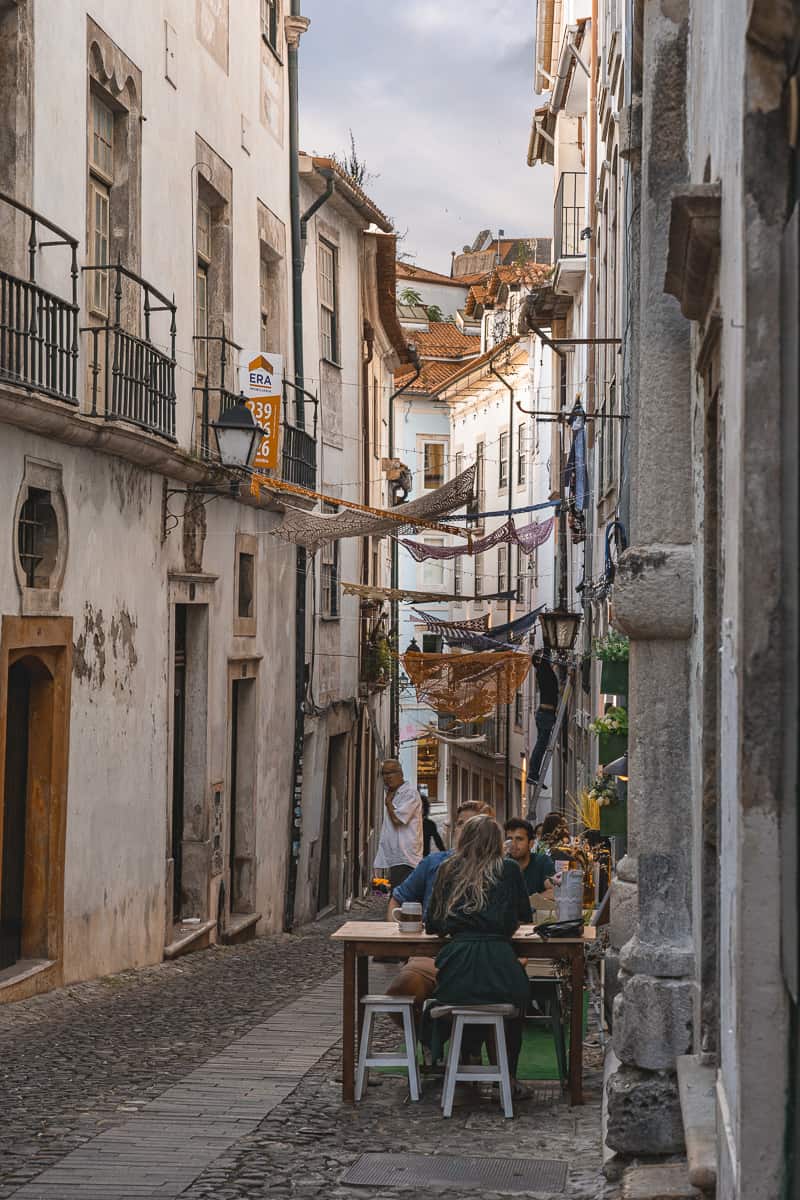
540, 868
479, 966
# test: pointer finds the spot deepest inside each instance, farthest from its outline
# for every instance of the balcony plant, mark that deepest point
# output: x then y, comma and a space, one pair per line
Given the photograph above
612, 732
378, 661
613, 651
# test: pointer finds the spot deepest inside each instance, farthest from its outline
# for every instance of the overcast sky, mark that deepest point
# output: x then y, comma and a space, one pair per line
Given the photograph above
439, 96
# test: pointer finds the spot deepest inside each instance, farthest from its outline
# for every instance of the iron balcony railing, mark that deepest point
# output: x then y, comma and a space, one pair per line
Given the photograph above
216, 393
132, 379
299, 457
569, 215
38, 330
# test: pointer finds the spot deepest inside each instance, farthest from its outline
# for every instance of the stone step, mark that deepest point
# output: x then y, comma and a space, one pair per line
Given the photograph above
697, 1086
665, 1181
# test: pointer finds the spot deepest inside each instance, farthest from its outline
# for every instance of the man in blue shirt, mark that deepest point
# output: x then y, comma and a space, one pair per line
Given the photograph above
418, 977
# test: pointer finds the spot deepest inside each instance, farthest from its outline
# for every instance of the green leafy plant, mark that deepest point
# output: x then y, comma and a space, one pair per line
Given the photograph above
410, 296
614, 647
378, 661
613, 721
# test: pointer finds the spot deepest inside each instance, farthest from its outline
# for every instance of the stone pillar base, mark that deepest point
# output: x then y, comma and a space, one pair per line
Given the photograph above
653, 1021
644, 1112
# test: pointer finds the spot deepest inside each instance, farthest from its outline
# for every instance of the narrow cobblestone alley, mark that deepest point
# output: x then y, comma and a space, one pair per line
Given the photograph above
216, 1077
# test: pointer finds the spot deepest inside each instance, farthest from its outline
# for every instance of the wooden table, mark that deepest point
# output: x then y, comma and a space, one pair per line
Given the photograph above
385, 938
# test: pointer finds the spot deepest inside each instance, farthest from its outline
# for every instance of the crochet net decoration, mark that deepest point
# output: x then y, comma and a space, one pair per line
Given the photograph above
468, 686
527, 537
315, 529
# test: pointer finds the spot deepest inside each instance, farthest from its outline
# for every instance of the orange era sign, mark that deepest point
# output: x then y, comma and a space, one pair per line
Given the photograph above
260, 381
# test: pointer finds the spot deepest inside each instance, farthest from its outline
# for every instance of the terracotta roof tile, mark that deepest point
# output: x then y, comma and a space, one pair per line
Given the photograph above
443, 339
433, 376
354, 193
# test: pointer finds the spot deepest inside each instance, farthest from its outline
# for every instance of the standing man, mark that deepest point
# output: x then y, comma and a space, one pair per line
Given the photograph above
400, 845
547, 683
537, 869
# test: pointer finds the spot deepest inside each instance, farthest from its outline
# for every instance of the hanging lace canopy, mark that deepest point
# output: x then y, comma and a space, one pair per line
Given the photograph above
315, 529
454, 628
528, 537
468, 686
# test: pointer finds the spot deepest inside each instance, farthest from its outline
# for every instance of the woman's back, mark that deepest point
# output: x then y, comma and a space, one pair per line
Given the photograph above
506, 906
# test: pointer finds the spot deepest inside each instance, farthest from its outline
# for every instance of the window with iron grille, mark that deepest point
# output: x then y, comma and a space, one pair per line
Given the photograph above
329, 579
503, 453
270, 23
328, 301
37, 538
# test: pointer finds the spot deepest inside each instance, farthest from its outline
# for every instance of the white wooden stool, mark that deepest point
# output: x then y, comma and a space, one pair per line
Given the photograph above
398, 1005
476, 1014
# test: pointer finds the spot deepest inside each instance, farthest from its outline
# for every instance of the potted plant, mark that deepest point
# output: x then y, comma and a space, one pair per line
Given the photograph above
613, 811
612, 731
613, 651
378, 661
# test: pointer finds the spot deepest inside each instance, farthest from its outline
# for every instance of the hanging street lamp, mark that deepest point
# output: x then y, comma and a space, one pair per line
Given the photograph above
238, 436
560, 629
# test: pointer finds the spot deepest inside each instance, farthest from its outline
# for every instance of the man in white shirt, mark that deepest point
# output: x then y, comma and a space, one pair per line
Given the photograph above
400, 845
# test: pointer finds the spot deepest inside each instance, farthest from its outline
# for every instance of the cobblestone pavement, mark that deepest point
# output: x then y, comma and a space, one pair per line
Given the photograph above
80, 1064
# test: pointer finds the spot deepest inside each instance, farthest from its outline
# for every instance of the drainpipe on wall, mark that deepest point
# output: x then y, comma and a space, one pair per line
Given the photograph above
508, 813
394, 607
295, 26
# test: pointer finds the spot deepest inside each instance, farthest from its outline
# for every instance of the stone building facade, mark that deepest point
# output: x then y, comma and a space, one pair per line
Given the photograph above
700, 120
149, 633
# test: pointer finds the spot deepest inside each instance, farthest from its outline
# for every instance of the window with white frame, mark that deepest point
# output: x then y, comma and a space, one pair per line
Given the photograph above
264, 282
522, 576
329, 579
502, 568
502, 478
459, 462
328, 301
522, 454
270, 22
201, 290
479, 575
519, 708
101, 180
458, 576
433, 569
433, 465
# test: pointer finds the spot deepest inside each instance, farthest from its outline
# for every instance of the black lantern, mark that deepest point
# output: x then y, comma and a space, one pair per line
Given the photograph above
412, 647
560, 629
238, 436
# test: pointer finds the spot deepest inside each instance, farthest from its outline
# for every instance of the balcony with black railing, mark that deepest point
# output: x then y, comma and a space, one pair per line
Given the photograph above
217, 358
131, 377
569, 216
38, 329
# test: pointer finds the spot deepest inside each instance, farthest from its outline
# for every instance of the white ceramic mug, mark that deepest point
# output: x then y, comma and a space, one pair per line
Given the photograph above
409, 916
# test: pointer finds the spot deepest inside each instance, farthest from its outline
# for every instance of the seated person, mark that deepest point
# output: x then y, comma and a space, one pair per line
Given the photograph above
537, 868
417, 977
479, 901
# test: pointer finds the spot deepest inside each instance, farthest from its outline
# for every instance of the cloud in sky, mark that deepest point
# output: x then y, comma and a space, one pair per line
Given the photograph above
438, 94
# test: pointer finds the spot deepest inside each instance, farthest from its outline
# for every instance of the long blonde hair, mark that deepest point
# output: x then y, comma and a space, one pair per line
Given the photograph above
469, 875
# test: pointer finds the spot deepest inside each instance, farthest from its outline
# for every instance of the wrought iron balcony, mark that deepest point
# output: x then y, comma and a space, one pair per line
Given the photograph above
569, 216
38, 329
299, 457
131, 378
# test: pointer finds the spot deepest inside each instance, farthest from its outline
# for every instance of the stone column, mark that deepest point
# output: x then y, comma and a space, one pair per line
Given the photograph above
653, 604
